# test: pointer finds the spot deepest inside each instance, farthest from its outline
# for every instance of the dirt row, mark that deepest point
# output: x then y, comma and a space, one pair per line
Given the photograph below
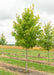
25, 55
21, 70
29, 60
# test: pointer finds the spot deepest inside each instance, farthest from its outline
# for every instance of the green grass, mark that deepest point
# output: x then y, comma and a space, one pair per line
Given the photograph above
2, 72
35, 66
30, 52
33, 58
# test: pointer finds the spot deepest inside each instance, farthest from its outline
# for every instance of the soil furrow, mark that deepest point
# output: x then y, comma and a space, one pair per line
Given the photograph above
21, 70
29, 60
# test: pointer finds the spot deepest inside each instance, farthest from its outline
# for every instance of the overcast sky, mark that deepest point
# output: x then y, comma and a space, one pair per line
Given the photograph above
9, 8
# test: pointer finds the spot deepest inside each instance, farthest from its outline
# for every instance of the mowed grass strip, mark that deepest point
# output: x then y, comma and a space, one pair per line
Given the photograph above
2, 72
35, 66
33, 58
30, 52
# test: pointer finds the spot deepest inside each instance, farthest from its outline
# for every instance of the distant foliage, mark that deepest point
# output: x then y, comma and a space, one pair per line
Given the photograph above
47, 37
3, 40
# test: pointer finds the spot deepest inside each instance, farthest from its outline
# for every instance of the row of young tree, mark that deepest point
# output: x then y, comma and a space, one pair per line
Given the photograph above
28, 32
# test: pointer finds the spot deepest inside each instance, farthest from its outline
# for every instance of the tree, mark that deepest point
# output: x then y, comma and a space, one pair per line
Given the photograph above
26, 29
46, 38
53, 37
3, 40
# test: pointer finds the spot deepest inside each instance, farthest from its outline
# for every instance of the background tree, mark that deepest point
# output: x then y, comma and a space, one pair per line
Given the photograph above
26, 29
3, 40
46, 38
53, 37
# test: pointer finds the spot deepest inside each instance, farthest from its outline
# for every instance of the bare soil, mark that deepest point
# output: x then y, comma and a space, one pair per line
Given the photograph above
21, 70
25, 55
35, 61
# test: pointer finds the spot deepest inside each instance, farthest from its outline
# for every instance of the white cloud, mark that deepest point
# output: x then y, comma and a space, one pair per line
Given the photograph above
7, 9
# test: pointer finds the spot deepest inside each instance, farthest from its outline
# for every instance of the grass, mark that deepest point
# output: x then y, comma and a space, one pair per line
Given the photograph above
35, 66
30, 52
33, 58
2, 72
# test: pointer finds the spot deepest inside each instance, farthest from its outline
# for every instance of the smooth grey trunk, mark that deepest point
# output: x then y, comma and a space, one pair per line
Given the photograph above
26, 59
48, 55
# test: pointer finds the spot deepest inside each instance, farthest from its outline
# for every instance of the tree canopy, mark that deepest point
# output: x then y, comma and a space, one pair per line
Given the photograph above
27, 28
47, 36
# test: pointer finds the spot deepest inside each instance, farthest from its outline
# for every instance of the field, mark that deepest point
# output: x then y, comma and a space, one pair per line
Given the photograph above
14, 61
